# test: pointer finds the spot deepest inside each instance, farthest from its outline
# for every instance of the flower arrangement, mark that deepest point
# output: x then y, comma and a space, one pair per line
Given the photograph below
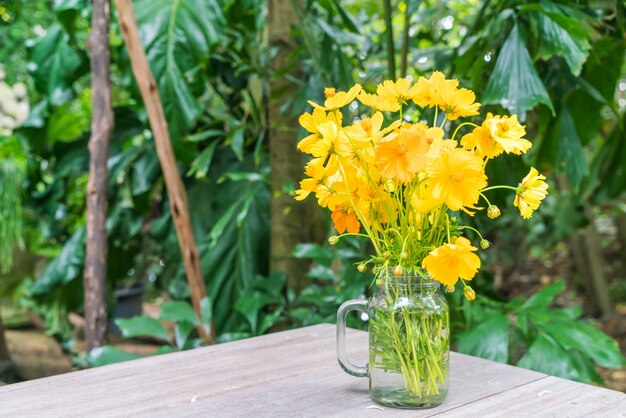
399, 183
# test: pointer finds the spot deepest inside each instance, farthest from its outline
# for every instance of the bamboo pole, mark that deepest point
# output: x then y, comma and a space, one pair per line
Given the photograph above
97, 188
173, 182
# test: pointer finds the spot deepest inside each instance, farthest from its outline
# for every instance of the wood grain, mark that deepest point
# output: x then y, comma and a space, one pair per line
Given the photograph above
289, 374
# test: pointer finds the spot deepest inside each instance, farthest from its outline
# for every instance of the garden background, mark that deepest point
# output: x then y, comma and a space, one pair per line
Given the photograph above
233, 77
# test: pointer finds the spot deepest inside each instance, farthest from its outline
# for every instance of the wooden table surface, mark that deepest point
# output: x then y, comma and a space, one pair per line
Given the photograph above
292, 374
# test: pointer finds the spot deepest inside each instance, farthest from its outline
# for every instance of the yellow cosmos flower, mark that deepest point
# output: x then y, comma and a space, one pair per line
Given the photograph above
507, 132
482, 143
332, 192
530, 192
310, 122
399, 92
369, 129
456, 178
402, 155
450, 262
457, 102
327, 141
429, 90
344, 218
317, 173
378, 103
336, 100
422, 200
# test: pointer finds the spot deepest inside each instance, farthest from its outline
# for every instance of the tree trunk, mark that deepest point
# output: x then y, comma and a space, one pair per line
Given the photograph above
173, 182
97, 187
4, 350
291, 221
588, 257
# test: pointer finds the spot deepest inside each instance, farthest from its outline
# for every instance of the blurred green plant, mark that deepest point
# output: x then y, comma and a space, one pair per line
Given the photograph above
179, 313
210, 76
532, 334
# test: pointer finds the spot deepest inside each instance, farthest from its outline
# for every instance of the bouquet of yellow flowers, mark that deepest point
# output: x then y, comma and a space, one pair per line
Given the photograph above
398, 184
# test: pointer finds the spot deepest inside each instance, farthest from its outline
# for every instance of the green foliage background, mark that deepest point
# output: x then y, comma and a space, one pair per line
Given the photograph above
557, 64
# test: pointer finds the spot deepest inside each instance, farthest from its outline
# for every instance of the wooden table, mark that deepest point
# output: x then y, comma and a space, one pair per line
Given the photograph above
292, 374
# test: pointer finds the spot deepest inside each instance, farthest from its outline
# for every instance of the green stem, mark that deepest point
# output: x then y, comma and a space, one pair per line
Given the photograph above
486, 189
391, 61
459, 127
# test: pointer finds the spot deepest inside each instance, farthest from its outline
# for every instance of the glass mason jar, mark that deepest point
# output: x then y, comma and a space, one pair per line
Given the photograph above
409, 342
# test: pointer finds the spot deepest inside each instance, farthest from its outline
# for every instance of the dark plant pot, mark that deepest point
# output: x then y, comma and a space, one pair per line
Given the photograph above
128, 303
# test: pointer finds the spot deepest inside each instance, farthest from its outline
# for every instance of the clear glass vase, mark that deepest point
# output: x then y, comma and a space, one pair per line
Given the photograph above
409, 342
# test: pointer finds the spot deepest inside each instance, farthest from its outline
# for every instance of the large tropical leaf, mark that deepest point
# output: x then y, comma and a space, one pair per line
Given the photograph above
66, 267
54, 65
179, 36
563, 41
488, 340
545, 355
514, 83
571, 153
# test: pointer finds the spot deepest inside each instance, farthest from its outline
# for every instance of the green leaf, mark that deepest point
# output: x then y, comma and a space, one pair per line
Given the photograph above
250, 305
489, 340
54, 65
315, 252
142, 326
546, 356
592, 342
178, 310
101, 356
67, 266
571, 154
545, 296
181, 333
67, 11
269, 320
559, 40
206, 313
70, 121
236, 140
514, 83
200, 166
179, 37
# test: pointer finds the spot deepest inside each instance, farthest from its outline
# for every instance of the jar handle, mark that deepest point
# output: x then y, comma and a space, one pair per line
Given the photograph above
344, 362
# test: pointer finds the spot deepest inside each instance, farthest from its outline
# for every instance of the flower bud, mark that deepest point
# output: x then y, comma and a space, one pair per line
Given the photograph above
361, 267
397, 271
333, 240
493, 212
484, 244
404, 255
449, 289
386, 254
469, 293
379, 282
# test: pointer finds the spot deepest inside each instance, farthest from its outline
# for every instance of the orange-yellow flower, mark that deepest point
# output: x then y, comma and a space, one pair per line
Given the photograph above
399, 91
457, 102
530, 192
456, 178
344, 218
423, 200
336, 100
378, 103
310, 122
508, 132
402, 155
317, 173
482, 143
450, 262
429, 90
